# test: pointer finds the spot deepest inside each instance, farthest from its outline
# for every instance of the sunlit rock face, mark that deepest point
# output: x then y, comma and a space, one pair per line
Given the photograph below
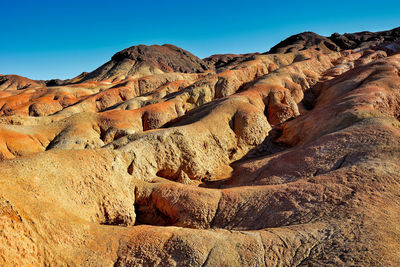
157, 157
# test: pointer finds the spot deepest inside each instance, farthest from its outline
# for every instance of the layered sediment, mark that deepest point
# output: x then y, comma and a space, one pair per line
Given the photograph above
287, 158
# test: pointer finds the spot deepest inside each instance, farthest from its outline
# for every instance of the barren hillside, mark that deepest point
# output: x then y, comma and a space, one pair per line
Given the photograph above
158, 157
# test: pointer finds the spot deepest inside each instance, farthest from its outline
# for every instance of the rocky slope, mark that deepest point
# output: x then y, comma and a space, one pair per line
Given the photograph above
336, 42
288, 158
139, 61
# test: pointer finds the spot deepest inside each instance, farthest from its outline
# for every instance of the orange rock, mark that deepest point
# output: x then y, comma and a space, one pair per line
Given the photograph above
160, 158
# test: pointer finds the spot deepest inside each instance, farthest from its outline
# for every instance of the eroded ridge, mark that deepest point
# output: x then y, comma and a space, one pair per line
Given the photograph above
285, 159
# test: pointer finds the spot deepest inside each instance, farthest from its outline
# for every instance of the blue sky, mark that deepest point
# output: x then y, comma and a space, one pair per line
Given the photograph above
60, 39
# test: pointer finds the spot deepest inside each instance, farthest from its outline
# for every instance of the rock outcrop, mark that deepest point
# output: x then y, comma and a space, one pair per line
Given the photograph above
336, 42
220, 61
288, 158
139, 61
304, 41
15, 82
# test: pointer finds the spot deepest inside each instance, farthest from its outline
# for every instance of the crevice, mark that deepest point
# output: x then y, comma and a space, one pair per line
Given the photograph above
144, 126
341, 162
308, 256
54, 141
217, 211
232, 123
113, 220
269, 146
149, 214
308, 100
264, 257
208, 257
8, 148
37, 140
103, 133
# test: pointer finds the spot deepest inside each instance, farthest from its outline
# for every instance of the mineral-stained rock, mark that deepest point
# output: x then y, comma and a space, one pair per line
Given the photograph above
160, 158
15, 82
139, 61
303, 41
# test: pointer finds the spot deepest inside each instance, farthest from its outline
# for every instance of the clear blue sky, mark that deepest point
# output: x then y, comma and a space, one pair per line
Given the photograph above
60, 39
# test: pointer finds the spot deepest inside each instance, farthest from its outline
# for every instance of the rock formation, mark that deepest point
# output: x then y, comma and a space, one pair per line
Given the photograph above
139, 61
288, 158
336, 42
